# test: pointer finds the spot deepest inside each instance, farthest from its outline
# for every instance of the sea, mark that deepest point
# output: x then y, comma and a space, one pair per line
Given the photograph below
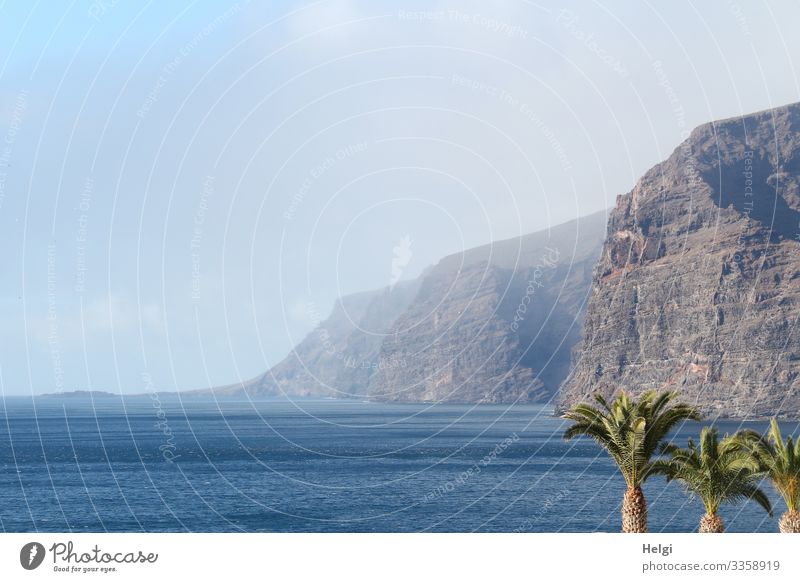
168, 464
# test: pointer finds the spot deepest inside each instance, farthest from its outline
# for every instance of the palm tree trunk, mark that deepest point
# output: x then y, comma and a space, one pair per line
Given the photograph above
790, 522
711, 523
634, 511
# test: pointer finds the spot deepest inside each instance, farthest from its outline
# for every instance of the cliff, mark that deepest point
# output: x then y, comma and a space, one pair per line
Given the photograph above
697, 285
336, 359
495, 323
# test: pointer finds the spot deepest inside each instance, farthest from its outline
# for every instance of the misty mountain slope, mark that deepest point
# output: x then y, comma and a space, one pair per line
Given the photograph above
335, 359
495, 323
493, 333
697, 285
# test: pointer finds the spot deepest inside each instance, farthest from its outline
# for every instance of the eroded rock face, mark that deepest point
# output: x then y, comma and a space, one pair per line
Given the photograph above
492, 324
698, 284
338, 358
483, 333
458, 343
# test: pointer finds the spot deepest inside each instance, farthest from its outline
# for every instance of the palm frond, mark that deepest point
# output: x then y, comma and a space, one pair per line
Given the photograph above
717, 470
777, 458
630, 429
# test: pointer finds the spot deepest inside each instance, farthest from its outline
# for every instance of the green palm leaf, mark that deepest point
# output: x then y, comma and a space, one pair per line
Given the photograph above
779, 459
717, 471
630, 430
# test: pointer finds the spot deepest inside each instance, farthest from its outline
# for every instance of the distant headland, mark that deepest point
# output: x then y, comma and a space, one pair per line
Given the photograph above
81, 394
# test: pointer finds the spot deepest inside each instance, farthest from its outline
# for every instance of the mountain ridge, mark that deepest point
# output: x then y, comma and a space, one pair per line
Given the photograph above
383, 349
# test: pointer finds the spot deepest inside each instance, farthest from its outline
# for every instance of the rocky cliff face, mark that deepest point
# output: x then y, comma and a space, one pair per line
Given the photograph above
483, 332
698, 283
338, 358
492, 324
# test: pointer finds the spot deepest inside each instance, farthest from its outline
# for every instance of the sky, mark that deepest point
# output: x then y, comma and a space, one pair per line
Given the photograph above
187, 187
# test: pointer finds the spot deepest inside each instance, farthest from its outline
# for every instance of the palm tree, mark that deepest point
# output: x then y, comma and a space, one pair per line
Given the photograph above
780, 460
717, 472
630, 431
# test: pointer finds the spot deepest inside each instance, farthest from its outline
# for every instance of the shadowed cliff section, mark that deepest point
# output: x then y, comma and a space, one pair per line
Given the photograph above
697, 288
500, 321
337, 359
495, 323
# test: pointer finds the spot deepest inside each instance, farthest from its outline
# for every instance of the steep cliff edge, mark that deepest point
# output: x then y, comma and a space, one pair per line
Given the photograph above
698, 284
337, 359
495, 323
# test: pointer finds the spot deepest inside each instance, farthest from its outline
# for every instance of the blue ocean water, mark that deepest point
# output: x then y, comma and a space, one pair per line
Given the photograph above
162, 464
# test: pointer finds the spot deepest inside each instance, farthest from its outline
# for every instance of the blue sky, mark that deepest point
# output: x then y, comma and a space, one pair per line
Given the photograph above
184, 185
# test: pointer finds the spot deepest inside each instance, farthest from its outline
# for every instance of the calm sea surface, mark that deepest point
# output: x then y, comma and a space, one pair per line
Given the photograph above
196, 465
